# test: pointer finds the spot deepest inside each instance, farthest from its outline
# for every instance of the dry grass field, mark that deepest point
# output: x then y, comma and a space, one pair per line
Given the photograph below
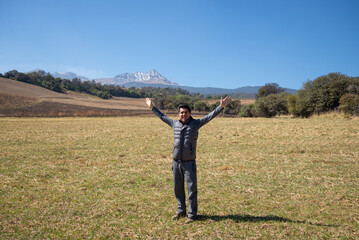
101, 178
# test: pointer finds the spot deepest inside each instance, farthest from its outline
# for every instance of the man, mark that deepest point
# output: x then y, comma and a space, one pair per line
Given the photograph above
185, 133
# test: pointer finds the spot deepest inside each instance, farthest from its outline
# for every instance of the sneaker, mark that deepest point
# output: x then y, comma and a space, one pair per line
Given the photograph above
177, 216
190, 220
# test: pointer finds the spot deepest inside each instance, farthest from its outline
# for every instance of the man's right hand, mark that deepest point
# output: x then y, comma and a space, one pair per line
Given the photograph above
149, 102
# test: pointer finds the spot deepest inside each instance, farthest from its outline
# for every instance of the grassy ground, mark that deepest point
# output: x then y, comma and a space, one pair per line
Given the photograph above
111, 178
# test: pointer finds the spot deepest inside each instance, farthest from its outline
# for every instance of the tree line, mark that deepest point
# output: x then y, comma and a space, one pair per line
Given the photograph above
334, 91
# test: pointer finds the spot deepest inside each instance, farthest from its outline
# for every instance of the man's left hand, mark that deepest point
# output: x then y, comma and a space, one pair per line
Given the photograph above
225, 102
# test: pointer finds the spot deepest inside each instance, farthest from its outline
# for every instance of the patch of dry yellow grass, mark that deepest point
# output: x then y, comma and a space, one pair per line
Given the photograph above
111, 178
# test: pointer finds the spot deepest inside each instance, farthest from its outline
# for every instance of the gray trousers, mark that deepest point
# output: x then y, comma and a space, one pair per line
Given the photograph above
185, 170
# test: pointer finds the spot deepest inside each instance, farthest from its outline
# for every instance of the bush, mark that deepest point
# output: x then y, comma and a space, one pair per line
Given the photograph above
170, 106
213, 106
292, 103
200, 106
234, 107
246, 111
349, 104
271, 105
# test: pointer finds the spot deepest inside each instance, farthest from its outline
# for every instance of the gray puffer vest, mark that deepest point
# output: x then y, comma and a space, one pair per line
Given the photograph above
186, 135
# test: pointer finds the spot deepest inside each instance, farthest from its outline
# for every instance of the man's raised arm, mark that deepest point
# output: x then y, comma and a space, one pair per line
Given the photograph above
159, 114
215, 112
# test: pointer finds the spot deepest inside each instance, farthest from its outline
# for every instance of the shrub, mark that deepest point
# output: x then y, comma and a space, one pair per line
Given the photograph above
292, 102
200, 106
213, 106
170, 106
234, 107
271, 105
246, 111
349, 104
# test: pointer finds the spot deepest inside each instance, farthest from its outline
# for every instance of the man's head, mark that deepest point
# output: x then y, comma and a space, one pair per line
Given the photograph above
184, 112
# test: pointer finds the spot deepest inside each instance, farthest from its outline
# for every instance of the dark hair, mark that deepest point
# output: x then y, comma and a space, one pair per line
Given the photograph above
184, 106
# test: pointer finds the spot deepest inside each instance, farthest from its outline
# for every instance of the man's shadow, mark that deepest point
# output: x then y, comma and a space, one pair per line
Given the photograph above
249, 218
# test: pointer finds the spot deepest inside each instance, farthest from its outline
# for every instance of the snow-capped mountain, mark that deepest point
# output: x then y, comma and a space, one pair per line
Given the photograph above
152, 77
68, 75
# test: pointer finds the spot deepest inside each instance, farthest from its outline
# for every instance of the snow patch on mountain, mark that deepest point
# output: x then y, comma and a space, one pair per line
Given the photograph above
152, 77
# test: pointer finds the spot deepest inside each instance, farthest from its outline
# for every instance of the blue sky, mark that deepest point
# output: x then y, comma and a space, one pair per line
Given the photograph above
201, 43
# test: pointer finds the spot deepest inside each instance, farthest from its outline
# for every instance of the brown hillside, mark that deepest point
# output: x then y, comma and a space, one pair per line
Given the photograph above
23, 99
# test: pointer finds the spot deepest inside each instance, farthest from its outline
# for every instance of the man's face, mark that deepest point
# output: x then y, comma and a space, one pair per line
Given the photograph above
184, 114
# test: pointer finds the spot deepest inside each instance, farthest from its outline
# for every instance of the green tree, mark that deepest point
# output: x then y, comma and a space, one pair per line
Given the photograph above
269, 88
11, 74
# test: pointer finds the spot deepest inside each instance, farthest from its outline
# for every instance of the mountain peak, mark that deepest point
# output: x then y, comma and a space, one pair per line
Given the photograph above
151, 77
154, 71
